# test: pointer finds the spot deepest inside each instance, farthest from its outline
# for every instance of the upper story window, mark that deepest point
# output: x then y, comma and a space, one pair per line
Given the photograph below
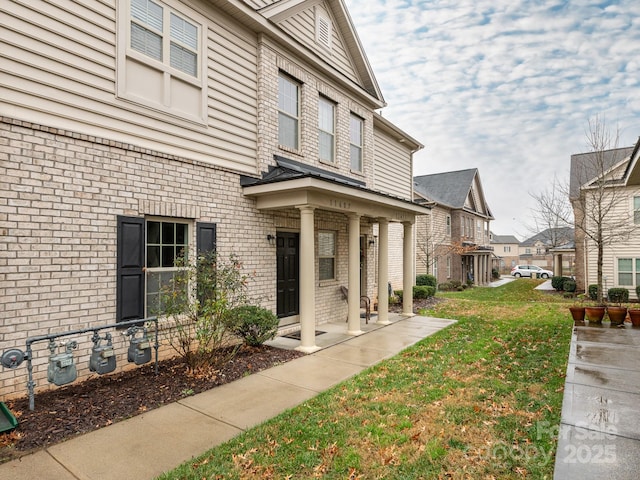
161, 59
636, 210
326, 129
448, 221
356, 125
165, 36
507, 249
288, 112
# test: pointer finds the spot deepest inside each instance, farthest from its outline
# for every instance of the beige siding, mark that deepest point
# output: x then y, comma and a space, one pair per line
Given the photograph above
392, 166
59, 68
629, 248
303, 27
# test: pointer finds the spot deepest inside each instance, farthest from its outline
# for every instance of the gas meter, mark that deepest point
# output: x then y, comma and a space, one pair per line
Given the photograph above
61, 368
103, 358
139, 347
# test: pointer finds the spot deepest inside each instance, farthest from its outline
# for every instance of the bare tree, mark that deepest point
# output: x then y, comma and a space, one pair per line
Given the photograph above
552, 214
596, 188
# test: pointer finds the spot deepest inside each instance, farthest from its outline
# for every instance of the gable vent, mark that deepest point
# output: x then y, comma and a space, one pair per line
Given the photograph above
323, 30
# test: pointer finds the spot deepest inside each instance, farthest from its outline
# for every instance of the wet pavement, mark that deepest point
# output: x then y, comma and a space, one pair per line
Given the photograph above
599, 435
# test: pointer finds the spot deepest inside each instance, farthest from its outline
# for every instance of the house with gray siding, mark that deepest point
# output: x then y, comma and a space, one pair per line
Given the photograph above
132, 130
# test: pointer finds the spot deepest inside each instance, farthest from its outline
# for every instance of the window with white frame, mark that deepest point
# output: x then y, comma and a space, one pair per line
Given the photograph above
628, 272
161, 57
327, 255
507, 249
167, 240
448, 223
326, 129
448, 267
356, 141
435, 268
636, 210
478, 229
165, 36
288, 112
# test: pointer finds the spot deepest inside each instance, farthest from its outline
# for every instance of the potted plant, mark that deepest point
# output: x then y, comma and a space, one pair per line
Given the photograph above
594, 313
578, 309
617, 313
634, 313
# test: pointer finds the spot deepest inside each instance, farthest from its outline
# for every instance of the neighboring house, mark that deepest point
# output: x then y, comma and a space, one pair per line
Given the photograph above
609, 179
453, 242
537, 249
505, 249
135, 129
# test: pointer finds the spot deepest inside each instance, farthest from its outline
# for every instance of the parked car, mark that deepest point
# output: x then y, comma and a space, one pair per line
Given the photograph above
530, 271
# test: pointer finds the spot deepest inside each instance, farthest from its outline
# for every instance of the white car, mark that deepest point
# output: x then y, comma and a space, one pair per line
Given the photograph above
530, 271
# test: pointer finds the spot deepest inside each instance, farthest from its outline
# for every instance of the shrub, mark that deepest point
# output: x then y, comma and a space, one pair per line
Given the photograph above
557, 282
638, 291
255, 325
398, 295
569, 285
593, 291
426, 280
495, 274
451, 286
423, 291
199, 300
618, 295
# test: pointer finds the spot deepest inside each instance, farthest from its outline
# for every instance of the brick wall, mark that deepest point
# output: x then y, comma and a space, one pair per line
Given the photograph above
61, 195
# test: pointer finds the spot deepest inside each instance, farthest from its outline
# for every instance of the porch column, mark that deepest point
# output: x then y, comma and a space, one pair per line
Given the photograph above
383, 271
307, 282
354, 275
557, 264
407, 270
476, 280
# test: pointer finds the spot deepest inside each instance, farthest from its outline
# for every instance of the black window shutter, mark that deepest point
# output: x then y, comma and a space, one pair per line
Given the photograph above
206, 237
130, 269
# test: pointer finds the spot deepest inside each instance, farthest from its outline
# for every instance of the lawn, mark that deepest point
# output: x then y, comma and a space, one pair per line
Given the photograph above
478, 400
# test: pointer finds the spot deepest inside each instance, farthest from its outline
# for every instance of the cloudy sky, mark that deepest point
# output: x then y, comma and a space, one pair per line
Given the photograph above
505, 86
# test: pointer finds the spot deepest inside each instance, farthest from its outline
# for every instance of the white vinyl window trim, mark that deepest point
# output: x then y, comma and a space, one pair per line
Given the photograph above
288, 112
326, 255
326, 130
356, 139
166, 36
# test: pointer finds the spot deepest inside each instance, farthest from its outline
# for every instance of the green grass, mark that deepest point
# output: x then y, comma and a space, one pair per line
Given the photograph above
480, 399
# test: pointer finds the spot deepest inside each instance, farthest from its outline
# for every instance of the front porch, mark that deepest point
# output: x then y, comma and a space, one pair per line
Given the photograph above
309, 201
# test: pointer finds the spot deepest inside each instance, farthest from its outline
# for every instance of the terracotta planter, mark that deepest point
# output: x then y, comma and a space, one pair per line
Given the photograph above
634, 316
594, 314
578, 313
617, 315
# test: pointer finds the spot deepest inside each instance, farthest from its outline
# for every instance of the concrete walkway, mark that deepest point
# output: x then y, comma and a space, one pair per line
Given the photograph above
146, 445
599, 434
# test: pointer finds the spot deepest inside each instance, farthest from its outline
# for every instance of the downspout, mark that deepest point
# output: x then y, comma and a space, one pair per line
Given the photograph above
586, 266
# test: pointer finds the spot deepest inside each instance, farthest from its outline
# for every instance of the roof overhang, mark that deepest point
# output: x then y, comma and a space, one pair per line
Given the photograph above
332, 196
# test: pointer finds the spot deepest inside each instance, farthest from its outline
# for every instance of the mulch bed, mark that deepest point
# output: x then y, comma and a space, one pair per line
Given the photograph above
81, 407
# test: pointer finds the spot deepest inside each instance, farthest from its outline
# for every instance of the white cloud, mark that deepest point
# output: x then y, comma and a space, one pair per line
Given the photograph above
506, 86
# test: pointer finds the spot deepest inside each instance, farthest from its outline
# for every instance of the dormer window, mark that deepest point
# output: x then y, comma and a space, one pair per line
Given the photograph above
323, 29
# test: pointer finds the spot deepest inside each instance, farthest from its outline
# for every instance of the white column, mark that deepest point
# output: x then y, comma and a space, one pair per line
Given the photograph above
354, 275
407, 270
476, 279
383, 272
307, 282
